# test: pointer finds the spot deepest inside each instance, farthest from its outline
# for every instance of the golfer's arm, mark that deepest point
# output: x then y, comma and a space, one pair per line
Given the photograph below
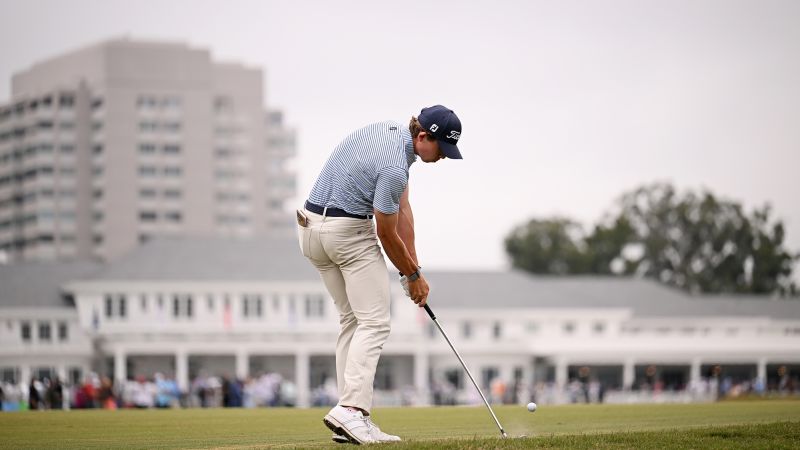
394, 247
405, 226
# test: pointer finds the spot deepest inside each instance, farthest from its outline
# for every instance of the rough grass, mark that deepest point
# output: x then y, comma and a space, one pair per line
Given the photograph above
719, 425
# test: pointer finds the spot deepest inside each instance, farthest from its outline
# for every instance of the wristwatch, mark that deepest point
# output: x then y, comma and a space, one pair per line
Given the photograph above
414, 276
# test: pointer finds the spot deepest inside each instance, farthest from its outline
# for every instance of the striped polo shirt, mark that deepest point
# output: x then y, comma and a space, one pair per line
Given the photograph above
368, 170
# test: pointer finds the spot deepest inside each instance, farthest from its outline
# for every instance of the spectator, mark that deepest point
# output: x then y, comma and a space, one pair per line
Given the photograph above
105, 395
85, 396
143, 393
34, 399
167, 392
55, 394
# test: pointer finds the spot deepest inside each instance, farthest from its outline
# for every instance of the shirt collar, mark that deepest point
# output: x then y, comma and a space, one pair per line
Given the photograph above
408, 142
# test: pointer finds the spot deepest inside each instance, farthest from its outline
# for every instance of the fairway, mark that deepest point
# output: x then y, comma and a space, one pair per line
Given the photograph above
733, 424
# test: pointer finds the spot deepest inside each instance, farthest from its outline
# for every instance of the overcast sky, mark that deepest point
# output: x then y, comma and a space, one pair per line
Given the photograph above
564, 104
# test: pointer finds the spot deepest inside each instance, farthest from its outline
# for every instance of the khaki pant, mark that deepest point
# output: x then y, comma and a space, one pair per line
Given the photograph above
345, 251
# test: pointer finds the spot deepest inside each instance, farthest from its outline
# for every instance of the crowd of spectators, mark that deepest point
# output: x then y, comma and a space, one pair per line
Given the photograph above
272, 390
160, 391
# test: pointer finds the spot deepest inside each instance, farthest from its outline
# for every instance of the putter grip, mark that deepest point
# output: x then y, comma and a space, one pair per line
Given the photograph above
430, 313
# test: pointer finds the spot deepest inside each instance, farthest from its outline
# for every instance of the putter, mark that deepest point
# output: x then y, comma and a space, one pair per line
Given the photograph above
433, 317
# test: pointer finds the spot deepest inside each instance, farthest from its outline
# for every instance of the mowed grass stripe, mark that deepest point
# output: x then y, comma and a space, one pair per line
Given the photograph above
781, 435
259, 428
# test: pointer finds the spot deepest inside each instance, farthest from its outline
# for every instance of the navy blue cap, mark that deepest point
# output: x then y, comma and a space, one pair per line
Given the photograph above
444, 125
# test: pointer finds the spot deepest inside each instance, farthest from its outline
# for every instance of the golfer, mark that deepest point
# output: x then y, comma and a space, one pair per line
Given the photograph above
366, 176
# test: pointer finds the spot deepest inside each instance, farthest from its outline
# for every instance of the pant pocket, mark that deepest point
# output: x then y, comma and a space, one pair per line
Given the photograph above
304, 236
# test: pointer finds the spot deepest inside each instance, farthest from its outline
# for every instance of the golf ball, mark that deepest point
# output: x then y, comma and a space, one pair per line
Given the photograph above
531, 407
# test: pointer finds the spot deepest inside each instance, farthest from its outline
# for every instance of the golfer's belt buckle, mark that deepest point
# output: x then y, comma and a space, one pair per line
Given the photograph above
302, 220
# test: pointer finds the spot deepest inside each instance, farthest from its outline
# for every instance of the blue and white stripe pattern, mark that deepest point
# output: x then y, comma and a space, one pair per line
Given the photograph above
368, 170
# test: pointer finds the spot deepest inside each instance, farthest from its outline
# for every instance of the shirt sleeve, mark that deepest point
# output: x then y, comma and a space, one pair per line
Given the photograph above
392, 181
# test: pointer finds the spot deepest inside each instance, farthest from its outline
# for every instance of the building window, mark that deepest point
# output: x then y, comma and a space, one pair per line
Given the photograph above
148, 216
147, 171
147, 193
173, 171
44, 331
466, 330
147, 149
488, 375
75, 376
66, 101
276, 303
148, 126
173, 216
315, 306
182, 306
9, 375
171, 102
116, 304
569, 327
143, 302
210, 302
172, 149
146, 102
63, 331
171, 126
497, 330
599, 327
252, 305
173, 193
384, 378
26, 331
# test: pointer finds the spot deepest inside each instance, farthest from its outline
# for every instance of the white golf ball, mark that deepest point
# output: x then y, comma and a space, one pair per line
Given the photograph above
531, 407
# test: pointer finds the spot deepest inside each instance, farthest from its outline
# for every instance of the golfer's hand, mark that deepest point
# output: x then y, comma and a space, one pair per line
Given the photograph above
404, 283
418, 290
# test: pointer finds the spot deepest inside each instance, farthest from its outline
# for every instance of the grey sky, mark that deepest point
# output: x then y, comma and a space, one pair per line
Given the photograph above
565, 104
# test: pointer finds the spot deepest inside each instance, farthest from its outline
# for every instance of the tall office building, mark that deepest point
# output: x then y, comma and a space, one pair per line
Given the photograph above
107, 146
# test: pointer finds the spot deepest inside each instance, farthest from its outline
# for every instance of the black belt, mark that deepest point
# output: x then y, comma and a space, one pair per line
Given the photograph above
334, 212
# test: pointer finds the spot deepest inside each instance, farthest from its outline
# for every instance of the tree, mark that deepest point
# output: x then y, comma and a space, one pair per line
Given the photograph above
696, 242
547, 246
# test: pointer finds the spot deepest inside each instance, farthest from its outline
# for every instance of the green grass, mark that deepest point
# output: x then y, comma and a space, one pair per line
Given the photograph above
722, 425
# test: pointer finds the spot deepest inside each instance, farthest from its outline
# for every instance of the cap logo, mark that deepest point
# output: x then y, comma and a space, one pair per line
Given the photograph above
434, 127
454, 135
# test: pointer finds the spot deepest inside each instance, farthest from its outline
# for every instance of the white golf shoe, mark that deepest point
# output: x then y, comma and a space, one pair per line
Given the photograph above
340, 439
350, 424
379, 435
